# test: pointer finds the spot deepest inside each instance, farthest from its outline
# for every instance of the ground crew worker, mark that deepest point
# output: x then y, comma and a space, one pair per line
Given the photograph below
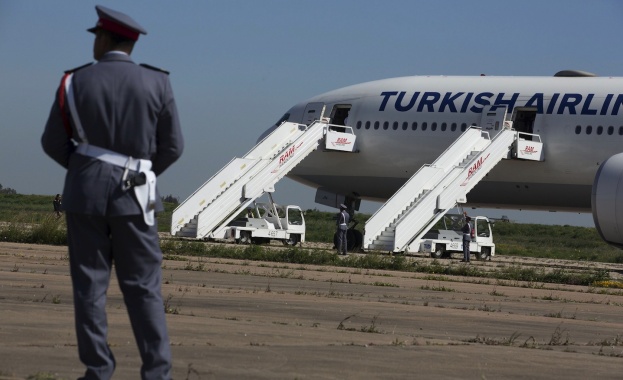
467, 238
342, 228
114, 126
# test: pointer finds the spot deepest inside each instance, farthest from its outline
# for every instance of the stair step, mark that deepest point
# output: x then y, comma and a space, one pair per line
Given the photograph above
381, 247
191, 234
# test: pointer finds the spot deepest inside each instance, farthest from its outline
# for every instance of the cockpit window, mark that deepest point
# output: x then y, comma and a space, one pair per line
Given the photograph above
282, 119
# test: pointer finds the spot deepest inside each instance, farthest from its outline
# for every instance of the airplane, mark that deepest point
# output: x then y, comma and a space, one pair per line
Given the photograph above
406, 122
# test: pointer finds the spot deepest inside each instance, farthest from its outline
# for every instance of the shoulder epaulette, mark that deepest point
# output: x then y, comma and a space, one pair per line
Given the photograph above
78, 68
154, 68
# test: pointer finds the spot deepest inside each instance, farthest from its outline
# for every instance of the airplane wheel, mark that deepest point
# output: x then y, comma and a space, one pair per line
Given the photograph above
356, 237
484, 253
438, 253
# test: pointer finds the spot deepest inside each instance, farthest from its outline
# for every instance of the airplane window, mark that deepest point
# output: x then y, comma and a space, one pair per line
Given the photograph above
589, 130
463, 127
453, 127
359, 124
395, 126
610, 130
385, 125
578, 129
443, 127
600, 130
433, 127
376, 125
405, 126
367, 125
424, 126
414, 126
620, 131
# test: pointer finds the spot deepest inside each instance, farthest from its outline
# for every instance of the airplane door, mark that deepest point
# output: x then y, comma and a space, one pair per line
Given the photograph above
493, 118
524, 120
313, 111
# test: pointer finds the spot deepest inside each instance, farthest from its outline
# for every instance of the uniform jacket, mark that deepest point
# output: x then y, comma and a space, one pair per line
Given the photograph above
342, 220
467, 231
124, 107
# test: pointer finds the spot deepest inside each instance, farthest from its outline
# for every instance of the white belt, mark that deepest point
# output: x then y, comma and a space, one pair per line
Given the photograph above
145, 194
109, 156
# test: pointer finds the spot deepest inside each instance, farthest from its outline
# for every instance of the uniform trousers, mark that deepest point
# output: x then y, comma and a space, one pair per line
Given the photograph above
341, 241
95, 242
466, 255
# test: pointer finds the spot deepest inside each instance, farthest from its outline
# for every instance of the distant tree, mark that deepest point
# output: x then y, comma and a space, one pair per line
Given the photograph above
171, 199
7, 190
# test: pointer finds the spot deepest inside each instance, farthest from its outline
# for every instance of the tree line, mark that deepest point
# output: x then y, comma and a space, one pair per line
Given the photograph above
7, 190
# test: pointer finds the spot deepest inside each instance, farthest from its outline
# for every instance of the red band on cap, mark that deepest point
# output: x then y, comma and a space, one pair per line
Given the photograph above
119, 29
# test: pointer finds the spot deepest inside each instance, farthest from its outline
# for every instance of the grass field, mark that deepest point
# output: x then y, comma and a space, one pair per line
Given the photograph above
30, 219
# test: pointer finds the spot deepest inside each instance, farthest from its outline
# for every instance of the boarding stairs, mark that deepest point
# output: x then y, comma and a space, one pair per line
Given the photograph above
400, 224
208, 211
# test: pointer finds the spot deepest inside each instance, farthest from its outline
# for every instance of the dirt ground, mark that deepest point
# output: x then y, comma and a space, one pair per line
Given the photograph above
231, 319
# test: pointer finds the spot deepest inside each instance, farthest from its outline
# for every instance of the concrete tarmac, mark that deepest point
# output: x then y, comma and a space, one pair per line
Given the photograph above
232, 319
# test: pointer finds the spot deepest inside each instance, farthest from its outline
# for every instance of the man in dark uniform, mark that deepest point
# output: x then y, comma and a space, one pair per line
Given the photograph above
58, 204
114, 126
342, 228
467, 238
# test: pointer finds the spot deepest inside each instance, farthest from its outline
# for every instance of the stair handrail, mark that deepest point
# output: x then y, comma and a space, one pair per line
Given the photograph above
379, 220
468, 185
187, 208
186, 204
256, 186
224, 167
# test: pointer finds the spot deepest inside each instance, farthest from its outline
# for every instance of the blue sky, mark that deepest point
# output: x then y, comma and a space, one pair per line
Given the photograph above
237, 66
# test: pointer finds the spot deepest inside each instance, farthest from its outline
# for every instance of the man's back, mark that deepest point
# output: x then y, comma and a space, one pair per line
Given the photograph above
123, 107
121, 104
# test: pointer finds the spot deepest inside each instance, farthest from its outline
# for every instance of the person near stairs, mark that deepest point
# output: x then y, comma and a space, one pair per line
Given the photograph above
342, 228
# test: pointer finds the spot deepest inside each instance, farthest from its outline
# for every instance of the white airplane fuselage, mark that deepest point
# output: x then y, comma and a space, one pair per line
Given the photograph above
404, 123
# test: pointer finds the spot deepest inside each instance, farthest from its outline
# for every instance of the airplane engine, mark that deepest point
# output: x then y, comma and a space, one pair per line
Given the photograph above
607, 200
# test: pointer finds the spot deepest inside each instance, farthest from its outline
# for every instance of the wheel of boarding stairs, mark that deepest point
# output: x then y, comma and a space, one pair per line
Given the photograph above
438, 253
484, 254
245, 237
293, 240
